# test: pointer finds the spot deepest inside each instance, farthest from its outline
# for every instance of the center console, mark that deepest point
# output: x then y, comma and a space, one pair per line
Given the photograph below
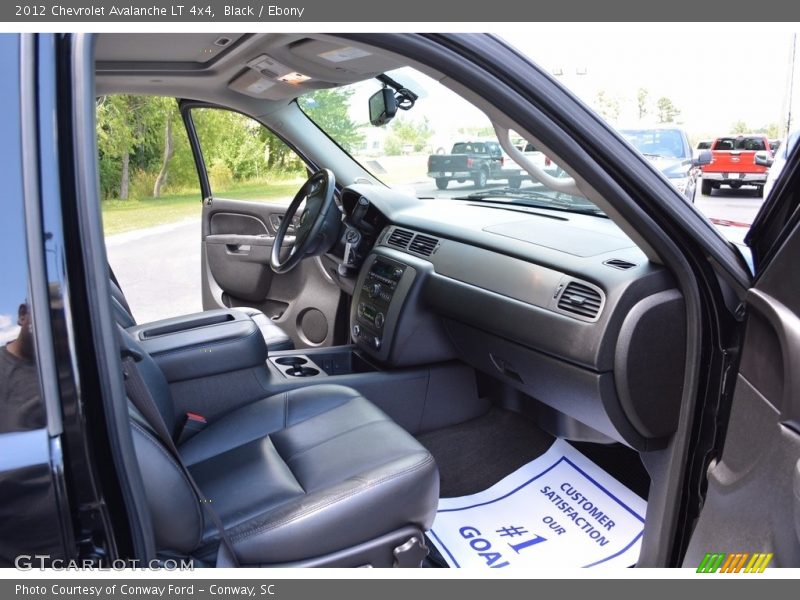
381, 291
204, 344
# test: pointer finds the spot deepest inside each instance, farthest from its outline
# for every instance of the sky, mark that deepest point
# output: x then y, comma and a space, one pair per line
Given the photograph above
714, 84
715, 74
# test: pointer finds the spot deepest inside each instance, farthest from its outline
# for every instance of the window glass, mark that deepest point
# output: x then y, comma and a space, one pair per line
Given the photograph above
244, 160
439, 146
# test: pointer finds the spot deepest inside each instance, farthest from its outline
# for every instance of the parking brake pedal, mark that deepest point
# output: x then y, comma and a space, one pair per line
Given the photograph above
411, 554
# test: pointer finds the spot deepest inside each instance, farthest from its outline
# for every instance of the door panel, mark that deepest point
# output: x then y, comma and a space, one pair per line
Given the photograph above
753, 498
237, 240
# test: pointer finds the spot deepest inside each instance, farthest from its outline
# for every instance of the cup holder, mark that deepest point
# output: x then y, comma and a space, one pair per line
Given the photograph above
291, 361
298, 371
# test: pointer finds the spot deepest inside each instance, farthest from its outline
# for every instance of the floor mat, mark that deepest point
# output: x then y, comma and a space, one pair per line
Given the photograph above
477, 454
559, 509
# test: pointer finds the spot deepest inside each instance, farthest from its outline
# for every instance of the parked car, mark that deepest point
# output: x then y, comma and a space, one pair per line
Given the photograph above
430, 348
478, 161
667, 148
541, 160
779, 161
733, 163
704, 145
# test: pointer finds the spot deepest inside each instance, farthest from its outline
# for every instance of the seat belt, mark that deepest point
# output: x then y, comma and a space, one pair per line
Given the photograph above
142, 399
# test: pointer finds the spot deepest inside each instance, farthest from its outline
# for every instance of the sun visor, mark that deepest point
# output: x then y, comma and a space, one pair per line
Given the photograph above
343, 58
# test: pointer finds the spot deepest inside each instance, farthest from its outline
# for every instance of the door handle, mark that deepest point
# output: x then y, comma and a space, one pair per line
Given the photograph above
238, 248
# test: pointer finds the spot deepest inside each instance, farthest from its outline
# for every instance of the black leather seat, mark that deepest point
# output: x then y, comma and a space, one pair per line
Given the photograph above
274, 336
316, 475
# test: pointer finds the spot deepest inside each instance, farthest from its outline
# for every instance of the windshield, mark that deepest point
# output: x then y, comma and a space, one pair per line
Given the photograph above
442, 147
663, 143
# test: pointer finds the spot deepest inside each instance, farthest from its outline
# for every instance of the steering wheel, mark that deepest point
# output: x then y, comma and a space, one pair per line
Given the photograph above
318, 226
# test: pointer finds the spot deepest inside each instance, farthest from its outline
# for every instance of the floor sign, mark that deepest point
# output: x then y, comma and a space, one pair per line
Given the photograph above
560, 509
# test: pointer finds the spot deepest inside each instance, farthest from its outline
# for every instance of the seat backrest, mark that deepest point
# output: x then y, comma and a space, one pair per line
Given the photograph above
122, 310
174, 507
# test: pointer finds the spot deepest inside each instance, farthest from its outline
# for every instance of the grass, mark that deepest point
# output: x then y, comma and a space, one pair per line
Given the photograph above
128, 215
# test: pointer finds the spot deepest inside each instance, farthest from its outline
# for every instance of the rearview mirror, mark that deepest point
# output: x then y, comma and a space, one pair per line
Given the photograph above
382, 107
704, 158
764, 159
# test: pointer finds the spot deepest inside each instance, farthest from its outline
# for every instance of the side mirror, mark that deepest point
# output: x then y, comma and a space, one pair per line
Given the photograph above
704, 158
382, 107
764, 159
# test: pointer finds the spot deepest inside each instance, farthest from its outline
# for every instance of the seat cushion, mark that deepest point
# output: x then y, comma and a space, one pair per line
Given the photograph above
274, 336
309, 472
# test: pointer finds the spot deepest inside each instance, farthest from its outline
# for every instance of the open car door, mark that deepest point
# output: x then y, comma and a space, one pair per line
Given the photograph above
751, 515
238, 232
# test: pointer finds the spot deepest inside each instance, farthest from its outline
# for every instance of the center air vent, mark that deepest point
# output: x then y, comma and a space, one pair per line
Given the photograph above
581, 300
618, 263
400, 238
423, 244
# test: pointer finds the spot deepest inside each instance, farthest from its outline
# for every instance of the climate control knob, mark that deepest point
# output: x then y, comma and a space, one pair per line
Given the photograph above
375, 290
376, 343
356, 331
379, 320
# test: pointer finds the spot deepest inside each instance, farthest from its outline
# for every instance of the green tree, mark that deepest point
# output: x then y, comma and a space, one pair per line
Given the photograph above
130, 141
169, 109
641, 102
667, 111
405, 132
118, 131
607, 106
772, 130
330, 110
740, 127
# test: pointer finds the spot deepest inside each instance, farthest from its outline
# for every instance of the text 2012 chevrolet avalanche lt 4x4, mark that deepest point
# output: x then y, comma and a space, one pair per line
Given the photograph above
733, 163
369, 358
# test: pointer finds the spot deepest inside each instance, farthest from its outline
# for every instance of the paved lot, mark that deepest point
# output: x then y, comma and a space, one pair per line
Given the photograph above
159, 268
740, 205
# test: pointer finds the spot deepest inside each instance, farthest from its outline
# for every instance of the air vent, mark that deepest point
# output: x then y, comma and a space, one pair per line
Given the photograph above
581, 300
618, 263
423, 244
400, 238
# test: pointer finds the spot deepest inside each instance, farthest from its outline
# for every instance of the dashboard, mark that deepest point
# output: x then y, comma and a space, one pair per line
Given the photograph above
561, 306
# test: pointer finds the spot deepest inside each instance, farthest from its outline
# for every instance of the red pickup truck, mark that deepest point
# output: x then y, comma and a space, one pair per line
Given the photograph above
733, 163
